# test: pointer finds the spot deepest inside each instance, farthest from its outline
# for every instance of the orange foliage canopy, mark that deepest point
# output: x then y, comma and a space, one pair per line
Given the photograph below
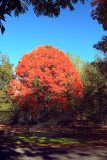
50, 67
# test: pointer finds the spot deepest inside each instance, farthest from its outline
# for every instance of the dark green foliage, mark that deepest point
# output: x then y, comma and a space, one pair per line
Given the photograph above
102, 45
93, 106
6, 7
100, 13
6, 75
48, 8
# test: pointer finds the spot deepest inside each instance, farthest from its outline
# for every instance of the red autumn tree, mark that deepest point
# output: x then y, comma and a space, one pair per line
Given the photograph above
42, 76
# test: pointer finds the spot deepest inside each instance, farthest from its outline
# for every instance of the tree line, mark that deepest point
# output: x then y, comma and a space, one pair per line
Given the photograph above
62, 87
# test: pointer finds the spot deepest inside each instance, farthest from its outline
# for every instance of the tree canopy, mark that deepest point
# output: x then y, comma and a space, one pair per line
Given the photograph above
93, 105
48, 8
102, 45
100, 13
44, 74
6, 75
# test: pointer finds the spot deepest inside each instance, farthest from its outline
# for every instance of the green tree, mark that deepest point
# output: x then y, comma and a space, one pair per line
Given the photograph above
76, 61
6, 75
6, 103
102, 64
93, 105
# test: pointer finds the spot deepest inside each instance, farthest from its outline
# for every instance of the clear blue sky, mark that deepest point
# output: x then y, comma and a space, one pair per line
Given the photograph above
73, 31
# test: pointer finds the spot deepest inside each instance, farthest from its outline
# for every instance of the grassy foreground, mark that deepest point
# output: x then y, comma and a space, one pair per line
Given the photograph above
54, 136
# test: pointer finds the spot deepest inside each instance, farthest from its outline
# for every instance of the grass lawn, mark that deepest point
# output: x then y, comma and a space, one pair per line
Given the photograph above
54, 136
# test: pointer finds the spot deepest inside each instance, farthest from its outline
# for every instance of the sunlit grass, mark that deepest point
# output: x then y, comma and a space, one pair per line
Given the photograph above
53, 137
46, 140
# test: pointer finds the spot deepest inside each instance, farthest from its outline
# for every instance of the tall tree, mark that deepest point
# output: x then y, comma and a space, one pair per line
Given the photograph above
44, 74
93, 105
6, 75
100, 14
101, 63
41, 7
76, 61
